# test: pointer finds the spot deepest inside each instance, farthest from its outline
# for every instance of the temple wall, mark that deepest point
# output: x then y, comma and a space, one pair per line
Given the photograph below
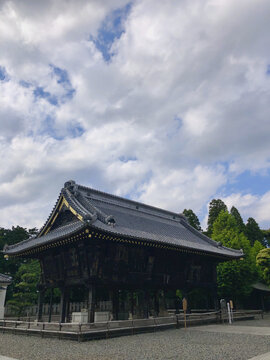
3, 290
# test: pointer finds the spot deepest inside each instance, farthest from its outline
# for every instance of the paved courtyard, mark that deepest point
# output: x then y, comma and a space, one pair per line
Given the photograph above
241, 341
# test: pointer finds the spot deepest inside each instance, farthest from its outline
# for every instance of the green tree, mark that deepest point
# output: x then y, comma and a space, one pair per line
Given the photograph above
215, 207
192, 219
253, 231
25, 290
256, 248
266, 234
263, 262
234, 277
11, 266
238, 218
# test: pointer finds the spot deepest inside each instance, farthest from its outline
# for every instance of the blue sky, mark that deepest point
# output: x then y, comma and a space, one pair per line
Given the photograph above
166, 103
111, 29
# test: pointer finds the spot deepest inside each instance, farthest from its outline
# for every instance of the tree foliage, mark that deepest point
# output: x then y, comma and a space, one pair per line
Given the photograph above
234, 277
215, 207
239, 221
11, 266
253, 231
10, 237
266, 234
25, 290
192, 219
263, 262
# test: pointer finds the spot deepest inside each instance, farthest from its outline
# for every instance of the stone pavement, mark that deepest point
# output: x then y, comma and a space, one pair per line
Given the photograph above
262, 328
234, 329
244, 340
6, 358
262, 357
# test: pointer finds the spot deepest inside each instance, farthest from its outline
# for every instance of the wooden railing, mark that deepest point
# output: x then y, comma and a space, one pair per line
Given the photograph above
79, 331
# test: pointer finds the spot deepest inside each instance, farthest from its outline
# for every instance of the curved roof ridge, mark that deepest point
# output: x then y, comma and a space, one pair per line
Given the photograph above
71, 198
51, 214
100, 214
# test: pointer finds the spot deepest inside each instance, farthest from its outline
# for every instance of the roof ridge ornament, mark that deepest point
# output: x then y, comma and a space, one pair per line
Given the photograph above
90, 219
69, 183
110, 220
72, 187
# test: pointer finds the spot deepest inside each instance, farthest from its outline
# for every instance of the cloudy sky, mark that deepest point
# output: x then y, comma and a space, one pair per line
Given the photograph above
165, 102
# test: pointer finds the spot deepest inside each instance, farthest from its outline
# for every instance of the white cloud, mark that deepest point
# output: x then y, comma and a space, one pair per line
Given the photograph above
185, 188
250, 205
181, 107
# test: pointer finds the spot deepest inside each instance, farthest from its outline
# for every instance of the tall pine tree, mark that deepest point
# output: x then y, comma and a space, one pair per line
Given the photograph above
192, 219
215, 207
238, 218
253, 232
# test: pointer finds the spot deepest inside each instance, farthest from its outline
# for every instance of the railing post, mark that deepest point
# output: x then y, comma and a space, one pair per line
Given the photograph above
155, 325
60, 327
41, 330
80, 331
219, 316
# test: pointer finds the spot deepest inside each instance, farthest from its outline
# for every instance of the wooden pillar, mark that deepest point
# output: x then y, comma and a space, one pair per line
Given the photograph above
262, 301
177, 303
207, 302
63, 305
40, 304
215, 298
131, 294
164, 303
156, 303
146, 304
67, 305
50, 305
115, 303
91, 303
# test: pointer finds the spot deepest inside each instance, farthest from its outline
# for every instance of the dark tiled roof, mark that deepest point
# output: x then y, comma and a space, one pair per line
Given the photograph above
126, 218
5, 279
52, 236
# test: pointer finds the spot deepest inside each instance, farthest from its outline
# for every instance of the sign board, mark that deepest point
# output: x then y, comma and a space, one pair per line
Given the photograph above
184, 302
231, 304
